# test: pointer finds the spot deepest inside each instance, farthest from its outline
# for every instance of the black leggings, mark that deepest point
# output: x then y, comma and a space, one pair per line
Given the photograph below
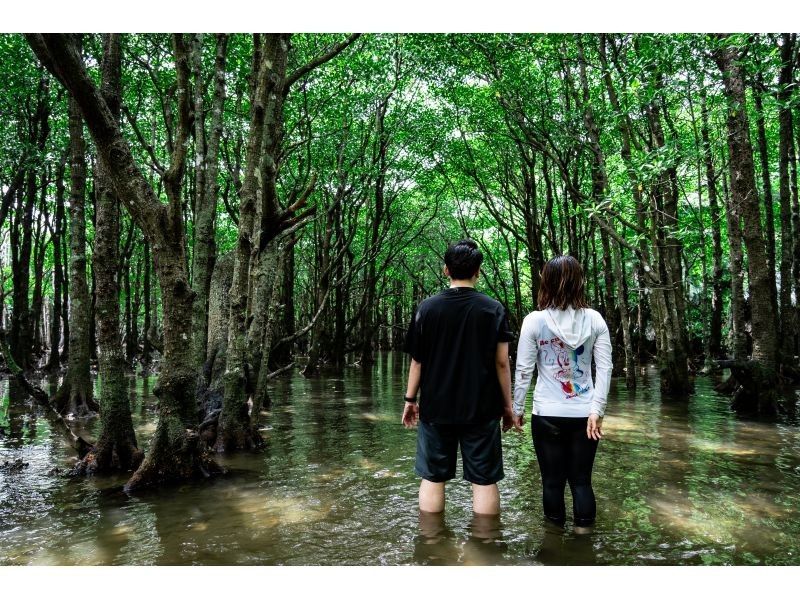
565, 454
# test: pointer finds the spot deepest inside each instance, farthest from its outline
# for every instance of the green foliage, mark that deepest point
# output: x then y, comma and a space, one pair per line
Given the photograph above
486, 137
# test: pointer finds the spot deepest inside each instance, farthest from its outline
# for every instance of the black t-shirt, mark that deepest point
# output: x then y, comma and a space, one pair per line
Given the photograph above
454, 335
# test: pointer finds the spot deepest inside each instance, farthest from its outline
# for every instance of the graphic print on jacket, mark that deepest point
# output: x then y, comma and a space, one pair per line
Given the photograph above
561, 344
569, 372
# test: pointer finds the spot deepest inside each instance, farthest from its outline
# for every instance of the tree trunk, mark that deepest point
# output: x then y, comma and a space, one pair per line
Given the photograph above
282, 355
745, 205
630, 362
37, 300
612, 266
714, 338
367, 358
207, 190
664, 209
75, 395
116, 448
54, 361
147, 347
785, 151
769, 204
65, 292
21, 322
236, 430
268, 338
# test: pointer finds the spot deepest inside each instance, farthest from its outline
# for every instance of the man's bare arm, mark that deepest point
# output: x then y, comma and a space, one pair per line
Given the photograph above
411, 410
503, 368
414, 373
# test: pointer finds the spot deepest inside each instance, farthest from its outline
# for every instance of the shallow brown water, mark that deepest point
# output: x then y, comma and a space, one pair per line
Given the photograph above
675, 483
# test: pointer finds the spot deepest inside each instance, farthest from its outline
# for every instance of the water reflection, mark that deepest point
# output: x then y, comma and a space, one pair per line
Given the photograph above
438, 544
559, 547
676, 482
485, 544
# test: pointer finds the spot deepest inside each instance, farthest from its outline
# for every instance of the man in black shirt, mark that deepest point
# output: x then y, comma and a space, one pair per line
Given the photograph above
458, 342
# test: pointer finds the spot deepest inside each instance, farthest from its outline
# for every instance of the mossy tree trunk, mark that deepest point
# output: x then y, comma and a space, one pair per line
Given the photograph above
54, 361
745, 206
174, 453
75, 395
262, 219
785, 156
25, 193
206, 188
116, 447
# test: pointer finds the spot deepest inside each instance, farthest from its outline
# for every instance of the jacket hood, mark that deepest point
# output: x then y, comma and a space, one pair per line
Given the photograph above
573, 326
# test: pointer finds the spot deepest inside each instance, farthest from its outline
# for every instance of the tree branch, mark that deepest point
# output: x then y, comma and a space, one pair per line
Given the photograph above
319, 61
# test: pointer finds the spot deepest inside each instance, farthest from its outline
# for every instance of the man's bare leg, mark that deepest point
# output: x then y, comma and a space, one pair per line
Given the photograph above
431, 496
485, 499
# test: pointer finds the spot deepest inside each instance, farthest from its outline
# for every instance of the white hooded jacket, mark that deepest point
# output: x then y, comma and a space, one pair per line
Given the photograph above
561, 342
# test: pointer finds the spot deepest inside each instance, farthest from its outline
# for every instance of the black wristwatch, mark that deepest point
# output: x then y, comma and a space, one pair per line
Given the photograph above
410, 400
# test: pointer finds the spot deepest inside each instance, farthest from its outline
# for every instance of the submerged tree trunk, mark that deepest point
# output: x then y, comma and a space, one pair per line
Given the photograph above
22, 232
714, 338
54, 361
116, 447
759, 394
235, 429
75, 395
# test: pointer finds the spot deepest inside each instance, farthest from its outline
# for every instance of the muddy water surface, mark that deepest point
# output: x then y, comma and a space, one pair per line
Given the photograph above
675, 483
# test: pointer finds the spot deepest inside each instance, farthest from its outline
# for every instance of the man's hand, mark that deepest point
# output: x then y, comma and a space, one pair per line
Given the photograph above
508, 419
410, 415
593, 427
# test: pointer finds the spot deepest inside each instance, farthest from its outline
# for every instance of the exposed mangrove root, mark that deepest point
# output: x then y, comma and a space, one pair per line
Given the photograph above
78, 402
107, 456
238, 438
176, 453
175, 456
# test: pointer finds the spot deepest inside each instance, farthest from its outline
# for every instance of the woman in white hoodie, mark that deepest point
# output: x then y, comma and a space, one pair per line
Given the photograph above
568, 407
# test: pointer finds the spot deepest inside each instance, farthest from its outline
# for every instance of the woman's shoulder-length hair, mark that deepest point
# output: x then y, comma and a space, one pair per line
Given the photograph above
562, 284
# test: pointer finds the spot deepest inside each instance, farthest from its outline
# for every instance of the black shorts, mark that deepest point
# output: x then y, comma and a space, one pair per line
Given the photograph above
481, 452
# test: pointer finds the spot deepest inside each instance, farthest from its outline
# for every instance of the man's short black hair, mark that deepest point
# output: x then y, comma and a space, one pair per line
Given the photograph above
463, 259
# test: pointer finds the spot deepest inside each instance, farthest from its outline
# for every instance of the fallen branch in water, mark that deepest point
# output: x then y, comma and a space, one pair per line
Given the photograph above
16, 372
278, 372
41, 397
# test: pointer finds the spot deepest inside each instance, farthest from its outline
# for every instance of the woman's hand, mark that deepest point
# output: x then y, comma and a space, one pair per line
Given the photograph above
519, 420
593, 427
410, 415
